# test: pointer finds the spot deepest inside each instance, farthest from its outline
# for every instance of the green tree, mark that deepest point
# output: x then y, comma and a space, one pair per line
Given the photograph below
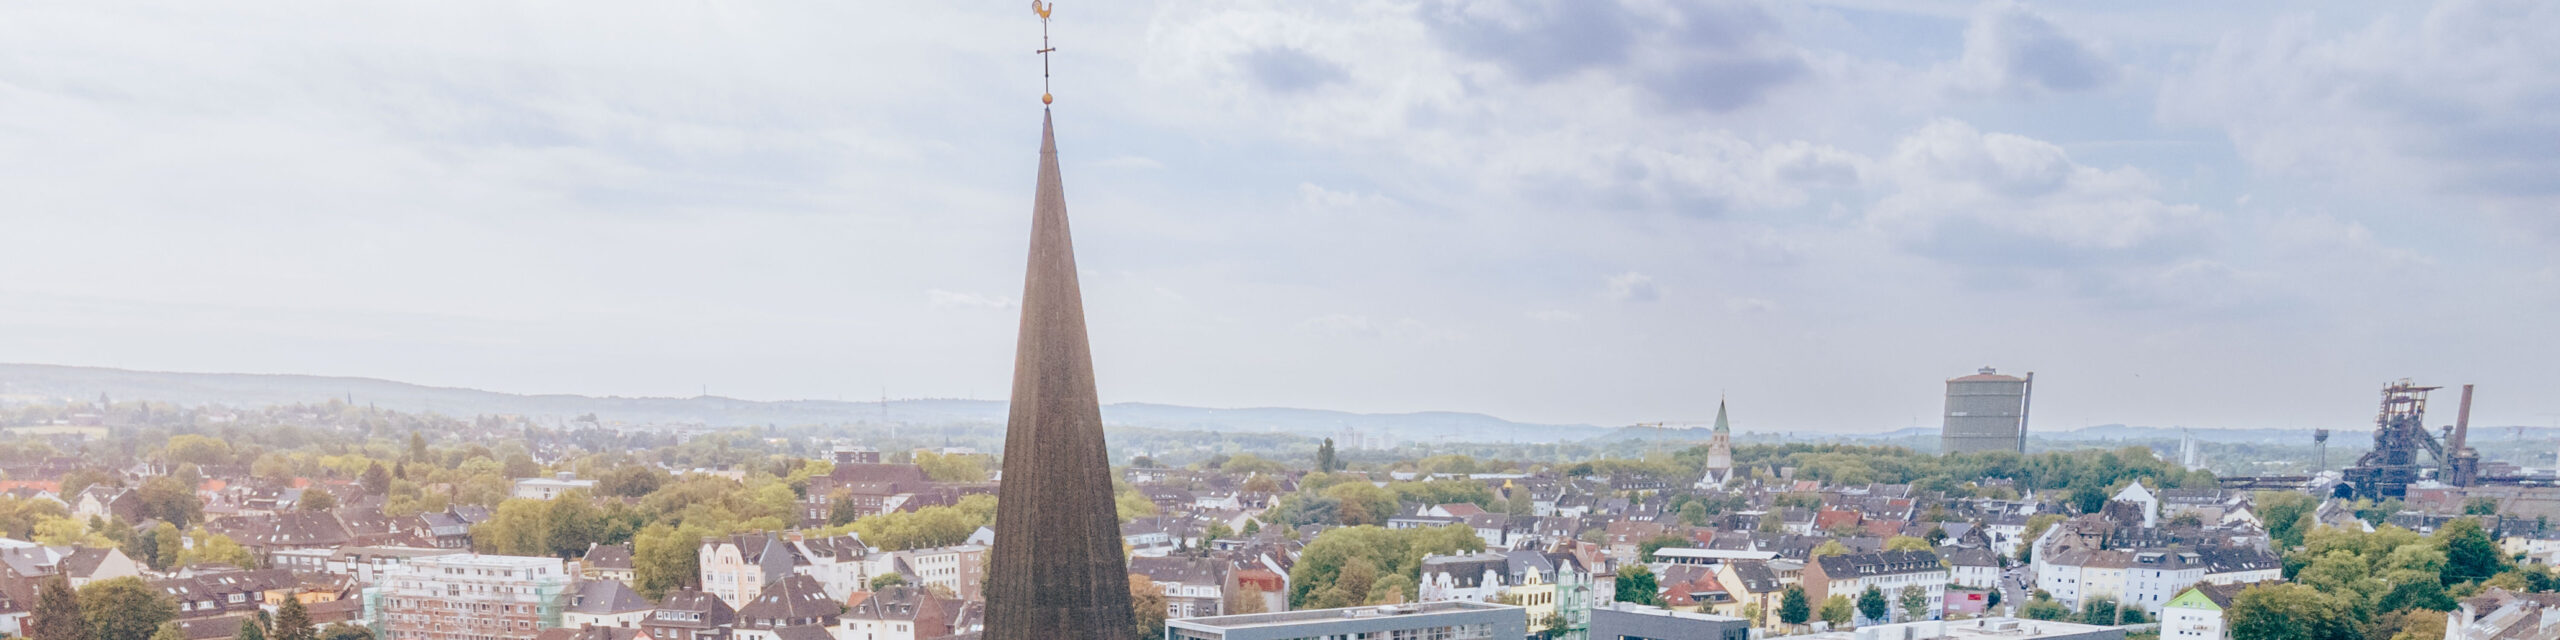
952, 468
125, 608
417, 446
2287, 514
1871, 603
1830, 548
249, 630
1694, 514
2468, 553
1792, 607
1382, 551
1147, 600
293, 621
1637, 584
315, 499
2044, 609
664, 558
171, 500
57, 615
2289, 612
2087, 499
1837, 611
1325, 460
344, 631
377, 480
1915, 603
1908, 543
167, 546
2483, 506
188, 448
1646, 549
169, 631
887, 580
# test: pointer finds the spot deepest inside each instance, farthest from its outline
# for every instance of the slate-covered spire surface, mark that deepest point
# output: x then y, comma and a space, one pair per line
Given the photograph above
1057, 571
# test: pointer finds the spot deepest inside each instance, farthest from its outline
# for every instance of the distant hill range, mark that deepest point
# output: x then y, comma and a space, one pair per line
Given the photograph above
251, 390
2346, 438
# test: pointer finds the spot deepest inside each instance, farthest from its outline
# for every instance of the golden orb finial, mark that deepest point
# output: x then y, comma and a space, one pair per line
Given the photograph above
1043, 10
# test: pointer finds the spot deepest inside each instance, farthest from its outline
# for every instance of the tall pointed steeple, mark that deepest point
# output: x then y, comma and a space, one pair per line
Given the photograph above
1057, 571
1719, 450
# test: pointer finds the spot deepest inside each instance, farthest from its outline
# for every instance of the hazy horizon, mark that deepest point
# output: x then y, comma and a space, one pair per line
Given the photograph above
2250, 215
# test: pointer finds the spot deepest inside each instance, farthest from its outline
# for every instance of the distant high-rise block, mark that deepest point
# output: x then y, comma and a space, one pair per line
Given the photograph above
1986, 411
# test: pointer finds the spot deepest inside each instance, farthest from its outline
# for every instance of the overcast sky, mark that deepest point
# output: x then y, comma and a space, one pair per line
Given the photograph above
2209, 214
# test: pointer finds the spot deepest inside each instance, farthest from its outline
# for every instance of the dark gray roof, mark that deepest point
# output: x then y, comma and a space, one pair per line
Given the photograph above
607, 597
793, 600
714, 613
608, 556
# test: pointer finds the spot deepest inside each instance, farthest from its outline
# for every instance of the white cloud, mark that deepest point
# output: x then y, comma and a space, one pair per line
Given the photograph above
1631, 287
2010, 49
1998, 198
2458, 101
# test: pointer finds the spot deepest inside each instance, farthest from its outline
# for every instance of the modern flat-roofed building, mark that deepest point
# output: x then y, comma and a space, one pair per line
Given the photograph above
469, 597
1631, 621
1986, 411
1975, 629
1453, 619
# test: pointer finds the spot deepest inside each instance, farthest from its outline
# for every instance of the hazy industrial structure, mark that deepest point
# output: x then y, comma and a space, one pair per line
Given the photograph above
2320, 450
2399, 437
1987, 411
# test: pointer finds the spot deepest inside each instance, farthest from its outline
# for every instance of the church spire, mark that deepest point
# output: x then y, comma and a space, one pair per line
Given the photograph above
1057, 570
1722, 425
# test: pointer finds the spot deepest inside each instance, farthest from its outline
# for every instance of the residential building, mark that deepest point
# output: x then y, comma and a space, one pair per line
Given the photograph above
690, 614
2158, 575
469, 597
2499, 614
605, 603
107, 503
1973, 568
795, 601
960, 568
900, 613
551, 487
840, 563
1193, 587
1888, 571
79, 565
285, 530
591, 633
227, 593
1750, 583
606, 562
1474, 577
737, 568
366, 564
2197, 613
1452, 620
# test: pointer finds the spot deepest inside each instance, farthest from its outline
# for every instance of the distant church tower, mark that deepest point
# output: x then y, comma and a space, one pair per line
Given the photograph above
1719, 451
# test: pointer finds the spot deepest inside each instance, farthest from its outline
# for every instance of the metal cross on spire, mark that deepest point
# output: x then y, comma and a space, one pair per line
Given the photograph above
1043, 9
